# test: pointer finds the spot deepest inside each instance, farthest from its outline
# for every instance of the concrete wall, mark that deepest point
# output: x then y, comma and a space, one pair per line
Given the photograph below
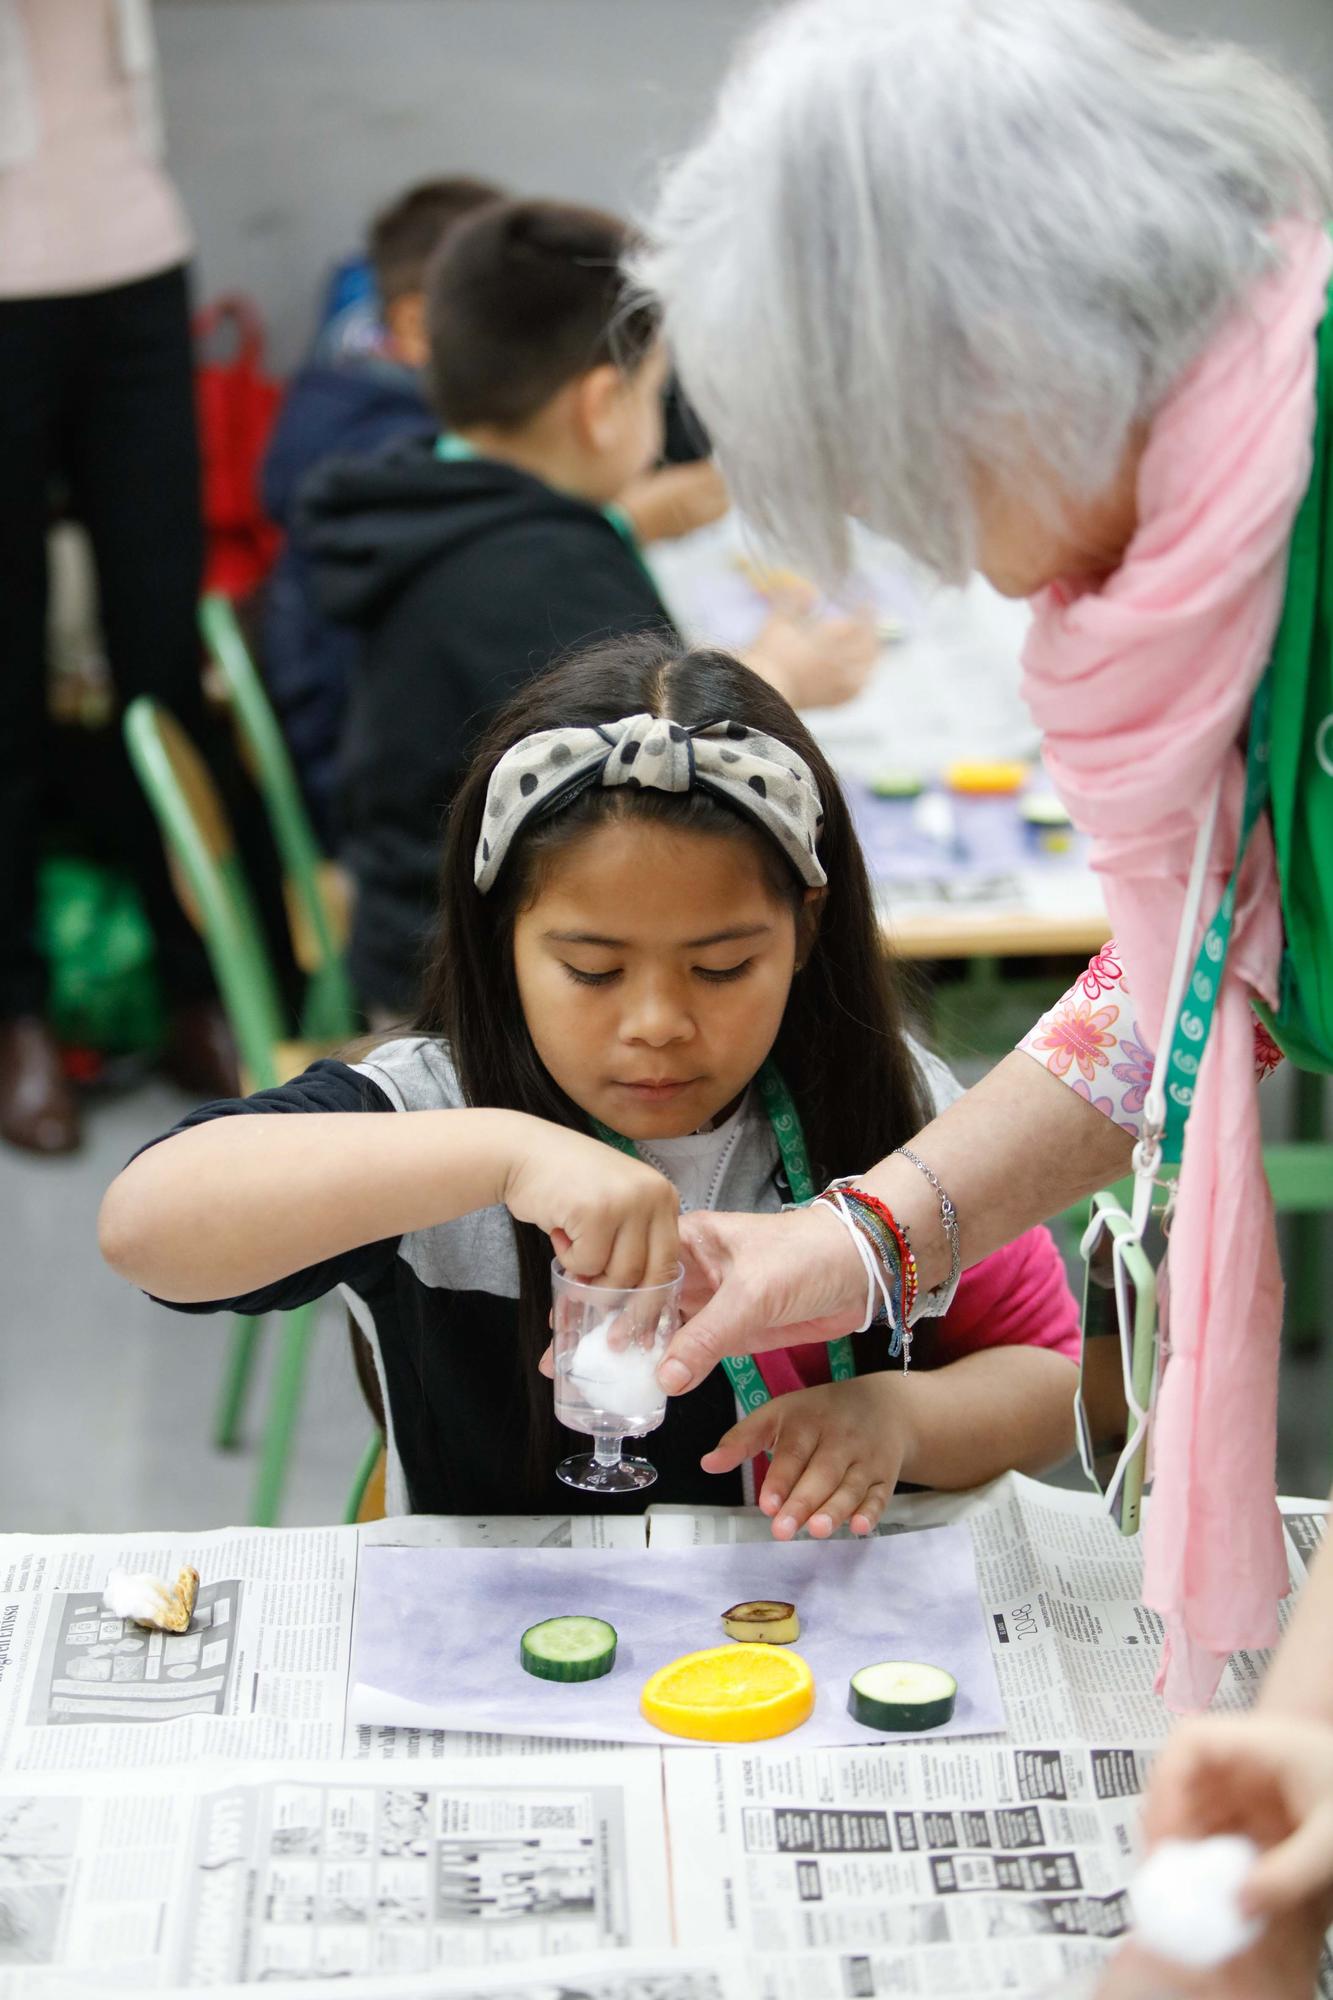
290, 120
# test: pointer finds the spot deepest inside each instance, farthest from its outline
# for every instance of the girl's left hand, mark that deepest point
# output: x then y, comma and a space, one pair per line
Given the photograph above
837, 1452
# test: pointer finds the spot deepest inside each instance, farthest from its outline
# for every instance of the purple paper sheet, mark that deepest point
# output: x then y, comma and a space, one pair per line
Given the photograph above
437, 1633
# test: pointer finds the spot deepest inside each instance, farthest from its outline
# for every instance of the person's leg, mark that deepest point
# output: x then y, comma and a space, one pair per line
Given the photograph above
135, 471
36, 1107
133, 462
28, 416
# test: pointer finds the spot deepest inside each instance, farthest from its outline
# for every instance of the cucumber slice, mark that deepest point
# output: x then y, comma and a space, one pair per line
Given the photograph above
901, 1694
762, 1621
569, 1649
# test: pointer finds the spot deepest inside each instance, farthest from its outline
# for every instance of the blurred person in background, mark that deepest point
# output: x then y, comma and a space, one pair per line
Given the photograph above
352, 397
97, 402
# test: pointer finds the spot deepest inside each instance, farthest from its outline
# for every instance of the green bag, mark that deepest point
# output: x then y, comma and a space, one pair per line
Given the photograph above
93, 933
1300, 763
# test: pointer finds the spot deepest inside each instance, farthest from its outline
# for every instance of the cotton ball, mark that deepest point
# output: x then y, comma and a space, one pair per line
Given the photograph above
620, 1380
1184, 1900
138, 1597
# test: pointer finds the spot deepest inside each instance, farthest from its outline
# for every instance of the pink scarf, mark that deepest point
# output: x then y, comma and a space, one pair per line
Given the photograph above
1142, 689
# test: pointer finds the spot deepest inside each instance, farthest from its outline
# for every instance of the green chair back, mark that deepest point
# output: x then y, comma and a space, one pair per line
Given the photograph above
317, 922
210, 879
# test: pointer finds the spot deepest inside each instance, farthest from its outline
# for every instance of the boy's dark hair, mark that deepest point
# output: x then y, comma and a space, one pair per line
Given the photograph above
521, 300
406, 234
840, 1048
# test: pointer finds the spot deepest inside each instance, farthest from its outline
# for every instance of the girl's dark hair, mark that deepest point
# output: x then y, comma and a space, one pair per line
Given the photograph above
840, 1048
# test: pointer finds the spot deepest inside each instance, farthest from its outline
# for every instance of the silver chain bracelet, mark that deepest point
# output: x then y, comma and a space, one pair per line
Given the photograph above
938, 1301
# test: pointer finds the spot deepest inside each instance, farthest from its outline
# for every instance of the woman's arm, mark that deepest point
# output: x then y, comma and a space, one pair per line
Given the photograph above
1018, 1147
225, 1208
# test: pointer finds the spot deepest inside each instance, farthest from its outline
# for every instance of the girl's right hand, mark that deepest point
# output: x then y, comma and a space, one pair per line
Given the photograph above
611, 1219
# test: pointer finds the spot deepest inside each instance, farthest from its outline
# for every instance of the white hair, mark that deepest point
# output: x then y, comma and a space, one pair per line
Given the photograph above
926, 237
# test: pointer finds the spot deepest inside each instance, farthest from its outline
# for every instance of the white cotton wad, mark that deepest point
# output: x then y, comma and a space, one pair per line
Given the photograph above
1185, 1900
127, 1596
620, 1380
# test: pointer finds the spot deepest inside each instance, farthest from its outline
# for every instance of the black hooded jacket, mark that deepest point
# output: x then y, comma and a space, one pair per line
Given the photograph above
466, 578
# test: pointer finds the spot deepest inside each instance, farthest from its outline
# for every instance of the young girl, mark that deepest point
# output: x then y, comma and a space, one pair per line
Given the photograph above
656, 923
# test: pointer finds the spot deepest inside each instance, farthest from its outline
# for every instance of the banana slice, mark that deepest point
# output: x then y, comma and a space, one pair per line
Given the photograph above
762, 1621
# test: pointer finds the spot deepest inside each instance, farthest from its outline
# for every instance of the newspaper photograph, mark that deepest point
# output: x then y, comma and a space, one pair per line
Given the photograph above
321, 1872
261, 1672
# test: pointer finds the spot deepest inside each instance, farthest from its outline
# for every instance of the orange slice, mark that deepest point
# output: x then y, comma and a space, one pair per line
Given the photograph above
730, 1694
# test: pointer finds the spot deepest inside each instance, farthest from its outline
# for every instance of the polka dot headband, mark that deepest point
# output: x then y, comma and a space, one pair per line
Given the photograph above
755, 774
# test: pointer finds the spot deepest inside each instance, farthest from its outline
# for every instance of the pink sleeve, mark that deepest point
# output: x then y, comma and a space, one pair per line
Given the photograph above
1017, 1297
1091, 1040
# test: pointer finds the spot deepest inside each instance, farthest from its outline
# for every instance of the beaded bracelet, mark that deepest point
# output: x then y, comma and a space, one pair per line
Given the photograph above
897, 1230
887, 1244
885, 1247
864, 1212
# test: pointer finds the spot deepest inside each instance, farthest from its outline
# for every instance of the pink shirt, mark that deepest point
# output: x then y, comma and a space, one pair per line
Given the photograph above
1017, 1297
88, 206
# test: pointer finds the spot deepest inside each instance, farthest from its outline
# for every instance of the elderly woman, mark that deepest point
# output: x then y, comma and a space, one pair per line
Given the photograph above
1035, 290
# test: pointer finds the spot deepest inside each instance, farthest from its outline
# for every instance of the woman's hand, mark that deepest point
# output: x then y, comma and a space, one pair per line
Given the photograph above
836, 1454
1271, 1778
755, 1282
611, 1219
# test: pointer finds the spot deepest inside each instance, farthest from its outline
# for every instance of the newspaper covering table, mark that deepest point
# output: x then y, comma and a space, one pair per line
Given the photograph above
174, 1817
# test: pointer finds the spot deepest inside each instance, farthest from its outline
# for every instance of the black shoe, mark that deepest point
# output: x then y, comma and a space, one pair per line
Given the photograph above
38, 1110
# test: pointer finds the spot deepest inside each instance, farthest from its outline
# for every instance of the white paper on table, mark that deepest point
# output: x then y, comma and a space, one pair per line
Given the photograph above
437, 1630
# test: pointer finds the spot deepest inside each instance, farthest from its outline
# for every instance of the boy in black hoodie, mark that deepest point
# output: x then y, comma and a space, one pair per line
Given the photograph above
474, 560
471, 561
345, 405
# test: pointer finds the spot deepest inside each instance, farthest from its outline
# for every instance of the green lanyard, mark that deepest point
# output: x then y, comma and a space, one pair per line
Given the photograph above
783, 1116
1195, 1019
456, 450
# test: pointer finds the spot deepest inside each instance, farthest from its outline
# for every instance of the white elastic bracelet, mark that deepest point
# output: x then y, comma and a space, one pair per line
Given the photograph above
869, 1263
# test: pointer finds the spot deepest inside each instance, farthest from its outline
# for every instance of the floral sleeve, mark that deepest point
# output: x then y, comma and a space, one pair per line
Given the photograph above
1091, 1040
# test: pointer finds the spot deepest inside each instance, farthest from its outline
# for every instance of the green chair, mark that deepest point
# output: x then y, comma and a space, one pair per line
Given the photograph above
366, 1471
1300, 1177
314, 887
210, 881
